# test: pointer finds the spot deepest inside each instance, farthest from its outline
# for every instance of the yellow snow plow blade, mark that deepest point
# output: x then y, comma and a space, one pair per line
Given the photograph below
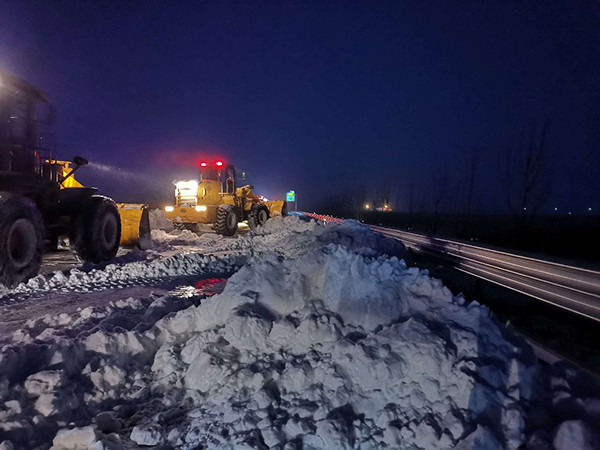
277, 208
135, 223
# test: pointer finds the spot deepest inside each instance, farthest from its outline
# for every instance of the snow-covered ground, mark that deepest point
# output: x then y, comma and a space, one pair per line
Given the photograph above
297, 336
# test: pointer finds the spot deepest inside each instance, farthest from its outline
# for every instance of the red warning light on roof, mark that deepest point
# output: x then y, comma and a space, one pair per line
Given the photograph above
202, 164
219, 163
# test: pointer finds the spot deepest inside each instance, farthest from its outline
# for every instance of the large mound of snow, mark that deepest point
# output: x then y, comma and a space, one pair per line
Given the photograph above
341, 350
323, 339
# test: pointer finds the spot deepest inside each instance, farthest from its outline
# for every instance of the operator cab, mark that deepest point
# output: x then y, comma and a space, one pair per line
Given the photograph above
26, 118
221, 172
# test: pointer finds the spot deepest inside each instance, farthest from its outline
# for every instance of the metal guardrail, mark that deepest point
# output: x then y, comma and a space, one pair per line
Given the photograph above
568, 287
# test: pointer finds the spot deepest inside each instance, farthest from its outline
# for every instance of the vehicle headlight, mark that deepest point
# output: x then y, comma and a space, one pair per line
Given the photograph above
169, 209
200, 208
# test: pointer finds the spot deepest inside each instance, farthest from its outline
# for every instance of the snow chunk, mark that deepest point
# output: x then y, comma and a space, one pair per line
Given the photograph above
44, 382
77, 438
576, 434
147, 434
85, 438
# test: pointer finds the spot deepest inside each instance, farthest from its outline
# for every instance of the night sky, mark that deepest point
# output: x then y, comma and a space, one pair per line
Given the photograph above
318, 96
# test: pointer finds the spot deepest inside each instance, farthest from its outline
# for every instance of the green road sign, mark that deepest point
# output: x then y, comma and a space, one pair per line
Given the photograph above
291, 196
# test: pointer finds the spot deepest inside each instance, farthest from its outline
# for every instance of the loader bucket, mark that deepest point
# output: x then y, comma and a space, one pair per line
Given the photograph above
277, 207
135, 223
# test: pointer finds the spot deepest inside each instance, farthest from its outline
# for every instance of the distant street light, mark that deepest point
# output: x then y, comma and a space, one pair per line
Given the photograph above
367, 206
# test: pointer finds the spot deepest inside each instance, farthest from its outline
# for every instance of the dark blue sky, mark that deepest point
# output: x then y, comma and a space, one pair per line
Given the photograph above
317, 96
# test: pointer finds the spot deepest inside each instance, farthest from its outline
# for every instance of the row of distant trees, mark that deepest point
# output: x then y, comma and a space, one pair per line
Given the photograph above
523, 169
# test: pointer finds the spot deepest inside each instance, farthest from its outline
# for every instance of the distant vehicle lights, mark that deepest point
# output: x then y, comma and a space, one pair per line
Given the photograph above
371, 207
588, 210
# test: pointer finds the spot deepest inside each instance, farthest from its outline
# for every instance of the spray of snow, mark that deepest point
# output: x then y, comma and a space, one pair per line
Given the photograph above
120, 173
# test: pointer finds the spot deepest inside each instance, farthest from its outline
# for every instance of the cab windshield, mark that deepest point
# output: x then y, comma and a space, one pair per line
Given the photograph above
210, 173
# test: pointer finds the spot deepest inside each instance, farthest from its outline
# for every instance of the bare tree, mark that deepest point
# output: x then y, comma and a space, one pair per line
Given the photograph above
439, 194
411, 195
472, 167
527, 172
359, 199
350, 203
383, 194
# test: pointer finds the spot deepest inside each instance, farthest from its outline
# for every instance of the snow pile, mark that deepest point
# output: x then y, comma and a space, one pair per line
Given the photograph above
158, 220
338, 350
119, 275
321, 340
290, 237
187, 237
70, 368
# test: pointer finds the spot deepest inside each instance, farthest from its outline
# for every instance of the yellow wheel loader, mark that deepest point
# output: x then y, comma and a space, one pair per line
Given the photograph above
135, 222
215, 199
39, 198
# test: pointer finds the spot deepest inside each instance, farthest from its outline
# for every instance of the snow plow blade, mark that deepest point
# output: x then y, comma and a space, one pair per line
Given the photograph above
277, 208
135, 223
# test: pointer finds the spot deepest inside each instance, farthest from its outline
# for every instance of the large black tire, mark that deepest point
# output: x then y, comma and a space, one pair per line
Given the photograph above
227, 220
190, 226
96, 232
259, 214
21, 239
284, 209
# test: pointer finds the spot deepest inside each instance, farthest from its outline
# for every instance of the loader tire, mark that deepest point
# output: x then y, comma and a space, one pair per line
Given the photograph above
259, 214
284, 209
21, 239
190, 226
227, 220
96, 232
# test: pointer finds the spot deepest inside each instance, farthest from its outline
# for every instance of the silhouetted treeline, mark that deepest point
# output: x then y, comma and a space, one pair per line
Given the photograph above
515, 178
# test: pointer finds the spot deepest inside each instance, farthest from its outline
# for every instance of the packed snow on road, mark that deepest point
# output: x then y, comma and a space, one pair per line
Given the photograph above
298, 335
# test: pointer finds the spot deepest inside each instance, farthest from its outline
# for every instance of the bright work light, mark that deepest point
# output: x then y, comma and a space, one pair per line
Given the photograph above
187, 184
